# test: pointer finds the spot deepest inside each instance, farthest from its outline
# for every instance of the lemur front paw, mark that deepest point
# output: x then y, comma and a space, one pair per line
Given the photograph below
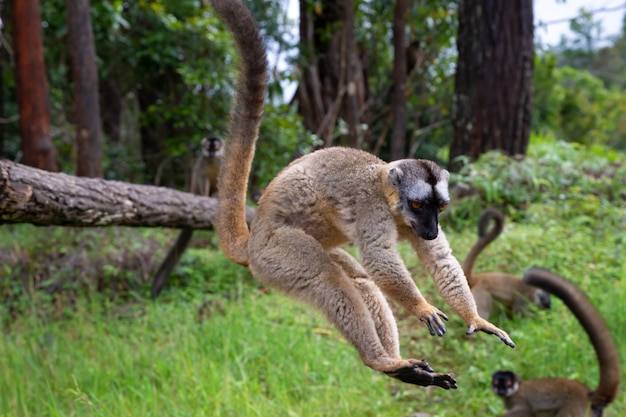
432, 316
484, 326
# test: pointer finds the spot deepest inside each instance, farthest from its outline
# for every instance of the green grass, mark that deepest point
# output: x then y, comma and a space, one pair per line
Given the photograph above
265, 355
258, 356
81, 337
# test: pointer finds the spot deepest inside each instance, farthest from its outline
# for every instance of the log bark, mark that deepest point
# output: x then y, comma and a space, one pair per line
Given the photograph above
31, 195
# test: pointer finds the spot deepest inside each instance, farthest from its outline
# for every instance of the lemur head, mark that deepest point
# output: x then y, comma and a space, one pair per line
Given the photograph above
211, 147
422, 188
505, 383
542, 299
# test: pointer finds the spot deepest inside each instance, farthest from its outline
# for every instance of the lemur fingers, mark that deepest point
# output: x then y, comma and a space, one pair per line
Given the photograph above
432, 317
420, 373
484, 326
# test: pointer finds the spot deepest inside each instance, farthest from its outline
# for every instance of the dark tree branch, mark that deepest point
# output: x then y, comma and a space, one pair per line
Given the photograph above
30, 195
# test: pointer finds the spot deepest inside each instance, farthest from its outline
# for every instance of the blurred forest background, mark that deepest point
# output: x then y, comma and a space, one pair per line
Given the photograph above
429, 79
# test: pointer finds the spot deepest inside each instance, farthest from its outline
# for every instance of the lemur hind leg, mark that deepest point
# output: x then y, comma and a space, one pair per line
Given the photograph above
320, 280
376, 303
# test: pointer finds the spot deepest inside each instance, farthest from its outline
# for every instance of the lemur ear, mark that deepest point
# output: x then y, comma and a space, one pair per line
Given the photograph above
394, 176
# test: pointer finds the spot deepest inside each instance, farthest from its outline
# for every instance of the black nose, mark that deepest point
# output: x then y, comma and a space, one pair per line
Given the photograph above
426, 232
429, 234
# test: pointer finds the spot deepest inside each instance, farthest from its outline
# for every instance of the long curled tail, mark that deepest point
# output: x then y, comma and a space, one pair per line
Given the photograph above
246, 113
594, 325
485, 237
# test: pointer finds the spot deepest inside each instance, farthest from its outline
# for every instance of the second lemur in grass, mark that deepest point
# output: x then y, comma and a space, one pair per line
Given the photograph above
561, 397
489, 287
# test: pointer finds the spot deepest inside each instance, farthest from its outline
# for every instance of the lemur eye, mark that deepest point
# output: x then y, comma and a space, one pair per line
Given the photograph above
443, 206
416, 204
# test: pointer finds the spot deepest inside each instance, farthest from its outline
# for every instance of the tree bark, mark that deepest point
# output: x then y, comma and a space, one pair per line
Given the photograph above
30, 195
86, 101
32, 86
354, 78
492, 99
398, 99
333, 85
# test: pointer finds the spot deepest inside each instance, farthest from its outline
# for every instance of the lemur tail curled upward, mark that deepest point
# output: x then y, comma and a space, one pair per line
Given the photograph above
245, 119
594, 325
485, 237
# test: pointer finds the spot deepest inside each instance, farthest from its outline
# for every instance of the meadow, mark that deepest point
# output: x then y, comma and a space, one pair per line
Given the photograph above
82, 338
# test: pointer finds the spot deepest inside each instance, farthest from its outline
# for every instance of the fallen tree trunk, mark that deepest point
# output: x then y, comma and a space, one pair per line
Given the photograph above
31, 195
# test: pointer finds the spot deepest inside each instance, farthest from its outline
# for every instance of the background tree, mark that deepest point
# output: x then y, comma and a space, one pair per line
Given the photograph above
32, 86
492, 98
398, 100
85, 77
332, 85
429, 24
166, 70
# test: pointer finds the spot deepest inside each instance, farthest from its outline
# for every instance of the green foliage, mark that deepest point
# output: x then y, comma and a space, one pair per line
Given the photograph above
430, 86
169, 65
282, 138
176, 56
587, 48
587, 182
577, 106
578, 91
210, 273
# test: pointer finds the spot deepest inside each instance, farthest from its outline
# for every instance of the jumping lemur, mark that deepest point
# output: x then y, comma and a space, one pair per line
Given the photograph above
508, 290
203, 182
559, 396
325, 199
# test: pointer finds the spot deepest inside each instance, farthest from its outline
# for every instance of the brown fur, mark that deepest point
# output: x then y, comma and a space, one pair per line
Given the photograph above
331, 197
560, 397
506, 289
206, 168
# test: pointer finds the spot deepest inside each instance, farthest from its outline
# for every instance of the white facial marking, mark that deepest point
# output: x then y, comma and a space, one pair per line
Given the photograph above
423, 190
441, 188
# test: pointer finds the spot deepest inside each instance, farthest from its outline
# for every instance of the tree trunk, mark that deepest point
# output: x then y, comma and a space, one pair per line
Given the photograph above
398, 99
86, 100
333, 84
492, 99
354, 79
30, 195
32, 86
